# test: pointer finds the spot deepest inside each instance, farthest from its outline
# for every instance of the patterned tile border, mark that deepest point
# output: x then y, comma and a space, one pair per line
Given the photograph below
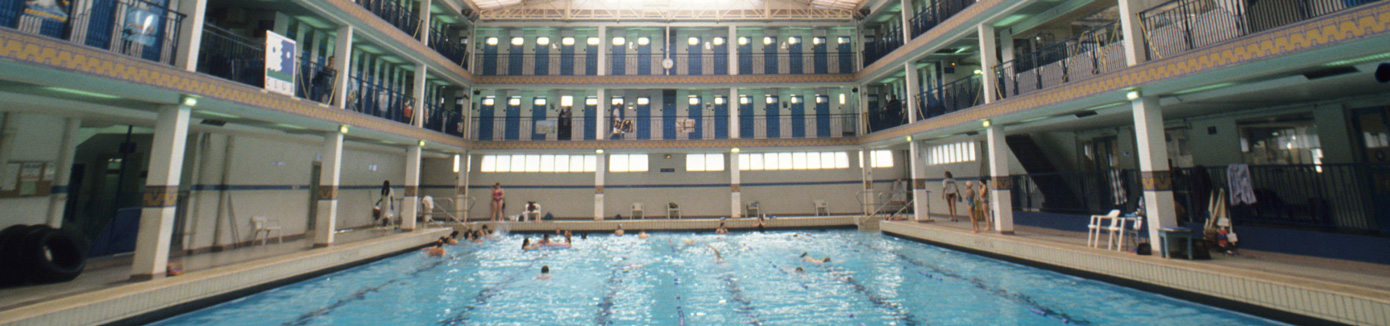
1319, 299
133, 299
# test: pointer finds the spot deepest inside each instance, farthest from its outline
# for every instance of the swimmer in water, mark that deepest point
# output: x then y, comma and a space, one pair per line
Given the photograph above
799, 270
642, 234
545, 273
721, 229
437, 250
525, 243
619, 231
689, 242
804, 258
545, 240
718, 258
568, 238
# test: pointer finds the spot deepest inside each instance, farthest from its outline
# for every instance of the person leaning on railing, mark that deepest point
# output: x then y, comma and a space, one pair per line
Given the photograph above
323, 82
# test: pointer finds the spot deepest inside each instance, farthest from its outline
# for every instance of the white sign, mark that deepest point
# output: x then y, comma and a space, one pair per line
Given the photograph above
279, 63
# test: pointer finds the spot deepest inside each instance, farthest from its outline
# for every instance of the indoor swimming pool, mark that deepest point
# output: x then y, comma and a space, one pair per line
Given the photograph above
677, 279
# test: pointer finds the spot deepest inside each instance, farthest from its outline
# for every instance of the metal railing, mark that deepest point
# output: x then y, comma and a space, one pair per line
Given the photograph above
500, 128
395, 13
1183, 25
1076, 192
951, 97
691, 64
530, 64
678, 127
785, 126
891, 114
240, 59
795, 64
135, 28
1093, 52
933, 14
438, 118
448, 46
374, 100
887, 41
633, 64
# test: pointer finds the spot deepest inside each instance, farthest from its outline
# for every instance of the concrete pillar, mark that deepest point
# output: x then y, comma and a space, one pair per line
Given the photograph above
330, 172
603, 45
410, 203
1132, 29
342, 58
732, 44
465, 165
1153, 164
907, 12
862, 126
867, 173
467, 127
735, 182
910, 99
601, 168
921, 198
424, 13
1006, 45
57, 203
988, 60
417, 119
161, 193
734, 105
604, 115
1000, 200
186, 57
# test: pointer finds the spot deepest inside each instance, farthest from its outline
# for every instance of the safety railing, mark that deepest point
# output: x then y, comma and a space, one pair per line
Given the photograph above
1076, 192
378, 101
449, 46
439, 118
395, 13
1183, 25
530, 64
698, 64
933, 14
135, 28
674, 127
238, 58
504, 128
1090, 53
635, 64
890, 39
1327, 197
784, 126
805, 63
891, 114
951, 97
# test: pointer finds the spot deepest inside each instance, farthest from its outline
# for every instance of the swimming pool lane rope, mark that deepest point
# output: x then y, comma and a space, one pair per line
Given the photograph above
482, 297
1034, 306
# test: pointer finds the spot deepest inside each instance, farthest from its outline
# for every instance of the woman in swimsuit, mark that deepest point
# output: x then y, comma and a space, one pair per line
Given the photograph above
497, 199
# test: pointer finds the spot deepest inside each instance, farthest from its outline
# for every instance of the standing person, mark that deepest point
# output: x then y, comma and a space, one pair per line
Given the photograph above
985, 210
972, 201
323, 82
566, 125
389, 196
498, 199
950, 193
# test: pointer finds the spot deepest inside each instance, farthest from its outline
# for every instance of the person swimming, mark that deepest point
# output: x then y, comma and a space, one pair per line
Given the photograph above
619, 231
799, 270
718, 258
525, 243
568, 238
807, 259
545, 273
721, 229
437, 250
545, 240
642, 234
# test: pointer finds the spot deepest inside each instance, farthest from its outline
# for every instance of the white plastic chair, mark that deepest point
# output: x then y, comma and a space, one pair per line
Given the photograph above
1117, 225
753, 209
673, 211
262, 224
821, 207
637, 211
1093, 229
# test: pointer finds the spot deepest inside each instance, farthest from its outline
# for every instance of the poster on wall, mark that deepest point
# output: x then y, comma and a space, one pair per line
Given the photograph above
140, 26
52, 10
279, 63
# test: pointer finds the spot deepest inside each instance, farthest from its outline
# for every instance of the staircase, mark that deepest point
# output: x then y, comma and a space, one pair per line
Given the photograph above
1056, 191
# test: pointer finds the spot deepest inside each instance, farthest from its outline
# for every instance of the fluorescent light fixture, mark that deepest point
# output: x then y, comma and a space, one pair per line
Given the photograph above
1105, 106
567, 101
1035, 119
735, 150
83, 93
1203, 88
567, 41
518, 41
289, 126
343, 129
594, 41
492, 41
190, 101
456, 163
619, 41
1361, 60
718, 41
598, 151
542, 41
1132, 95
219, 114
693, 41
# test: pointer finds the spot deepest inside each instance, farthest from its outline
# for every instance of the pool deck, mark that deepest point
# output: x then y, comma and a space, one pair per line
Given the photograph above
105, 295
1343, 292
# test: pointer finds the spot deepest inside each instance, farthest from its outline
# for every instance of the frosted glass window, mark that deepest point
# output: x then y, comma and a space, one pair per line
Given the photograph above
714, 162
489, 163
504, 163
617, 163
590, 163
770, 161
842, 160
813, 161
756, 162
799, 161
638, 163
547, 163
784, 161
694, 162
562, 163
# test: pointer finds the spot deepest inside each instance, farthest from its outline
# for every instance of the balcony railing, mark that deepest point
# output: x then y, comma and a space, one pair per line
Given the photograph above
240, 59
449, 47
951, 97
784, 126
685, 64
527, 128
394, 13
796, 64
1088, 54
135, 28
679, 127
891, 39
536, 64
374, 100
1183, 25
933, 14
439, 118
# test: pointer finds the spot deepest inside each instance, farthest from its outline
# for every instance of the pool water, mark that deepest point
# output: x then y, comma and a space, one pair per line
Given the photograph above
674, 279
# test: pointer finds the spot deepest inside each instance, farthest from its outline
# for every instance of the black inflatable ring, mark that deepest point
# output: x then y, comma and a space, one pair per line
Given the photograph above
52, 255
12, 265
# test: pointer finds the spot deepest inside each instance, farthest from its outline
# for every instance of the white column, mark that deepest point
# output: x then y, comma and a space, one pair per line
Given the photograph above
161, 193
1153, 162
862, 126
603, 44
1001, 200
1006, 45
424, 13
417, 119
907, 12
734, 106
732, 43
57, 203
910, 97
987, 62
330, 176
461, 188
342, 59
1132, 30
867, 173
468, 113
192, 29
410, 203
601, 121
736, 187
600, 169
921, 198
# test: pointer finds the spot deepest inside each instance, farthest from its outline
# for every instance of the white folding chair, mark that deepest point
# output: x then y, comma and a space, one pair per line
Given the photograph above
1117, 225
637, 211
263, 224
1093, 229
821, 207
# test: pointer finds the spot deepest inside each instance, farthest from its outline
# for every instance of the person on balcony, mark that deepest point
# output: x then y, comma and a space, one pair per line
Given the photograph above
566, 124
322, 82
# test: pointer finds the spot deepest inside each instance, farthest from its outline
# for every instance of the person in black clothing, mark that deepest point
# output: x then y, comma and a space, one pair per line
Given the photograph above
323, 82
565, 124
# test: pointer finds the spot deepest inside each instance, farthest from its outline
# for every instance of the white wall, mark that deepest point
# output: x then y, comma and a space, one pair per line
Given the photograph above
36, 138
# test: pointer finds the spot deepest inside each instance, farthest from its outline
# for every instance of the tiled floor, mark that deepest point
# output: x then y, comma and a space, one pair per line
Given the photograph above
112, 275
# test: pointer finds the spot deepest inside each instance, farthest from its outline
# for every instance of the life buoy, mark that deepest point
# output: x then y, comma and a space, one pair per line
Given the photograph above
52, 255
12, 266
